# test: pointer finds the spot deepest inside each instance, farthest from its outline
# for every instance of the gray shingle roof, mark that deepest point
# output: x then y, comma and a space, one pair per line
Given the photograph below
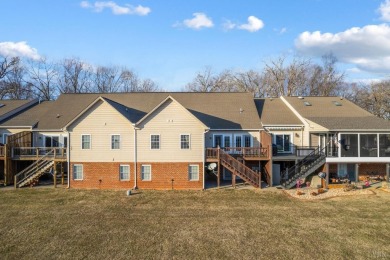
9, 105
274, 112
28, 117
345, 116
215, 110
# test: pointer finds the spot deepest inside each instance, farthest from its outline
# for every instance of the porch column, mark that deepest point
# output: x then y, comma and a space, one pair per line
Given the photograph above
327, 175
356, 172
388, 172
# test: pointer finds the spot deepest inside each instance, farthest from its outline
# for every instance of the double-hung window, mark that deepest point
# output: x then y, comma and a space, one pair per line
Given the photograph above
193, 172
85, 142
155, 142
124, 172
115, 142
185, 141
77, 172
146, 172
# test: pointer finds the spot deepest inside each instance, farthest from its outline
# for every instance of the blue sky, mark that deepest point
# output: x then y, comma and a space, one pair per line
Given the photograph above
170, 41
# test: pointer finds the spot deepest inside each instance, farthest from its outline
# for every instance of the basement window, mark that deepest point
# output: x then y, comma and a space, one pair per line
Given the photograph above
336, 103
307, 104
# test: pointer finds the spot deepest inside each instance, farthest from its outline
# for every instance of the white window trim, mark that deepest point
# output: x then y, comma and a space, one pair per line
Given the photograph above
90, 142
82, 172
142, 175
124, 165
120, 139
223, 139
159, 142
242, 135
189, 176
189, 145
284, 133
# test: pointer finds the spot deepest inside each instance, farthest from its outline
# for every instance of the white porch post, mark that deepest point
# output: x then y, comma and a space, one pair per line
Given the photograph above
356, 172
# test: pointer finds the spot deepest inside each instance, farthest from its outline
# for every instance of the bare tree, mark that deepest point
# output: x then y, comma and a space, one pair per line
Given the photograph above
7, 65
249, 81
325, 80
74, 76
107, 79
42, 77
374, 97
16, 85
279, 78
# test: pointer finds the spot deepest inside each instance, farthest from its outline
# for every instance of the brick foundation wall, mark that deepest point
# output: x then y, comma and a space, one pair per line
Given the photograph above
365, 169
372, 169
163, 173
103, 175
108, 173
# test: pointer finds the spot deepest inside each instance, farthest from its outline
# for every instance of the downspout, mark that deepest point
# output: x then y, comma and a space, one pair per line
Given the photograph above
135, 157
68, 158
204, 156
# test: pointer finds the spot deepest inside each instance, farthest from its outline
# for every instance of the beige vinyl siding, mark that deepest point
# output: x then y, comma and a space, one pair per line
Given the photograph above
254, 134
101, 121
169, 121
314, 139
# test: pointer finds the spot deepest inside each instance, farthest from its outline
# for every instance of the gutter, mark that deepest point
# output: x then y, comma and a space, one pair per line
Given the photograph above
68, 157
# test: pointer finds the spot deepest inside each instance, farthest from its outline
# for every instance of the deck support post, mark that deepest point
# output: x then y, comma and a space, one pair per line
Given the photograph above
234, 179
55, 174
219, 169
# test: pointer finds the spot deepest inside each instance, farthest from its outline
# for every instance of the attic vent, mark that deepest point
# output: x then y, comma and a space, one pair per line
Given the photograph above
336, 103
307, 104
1, 105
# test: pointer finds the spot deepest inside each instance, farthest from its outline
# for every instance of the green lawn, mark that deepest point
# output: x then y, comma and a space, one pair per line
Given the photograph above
219, 224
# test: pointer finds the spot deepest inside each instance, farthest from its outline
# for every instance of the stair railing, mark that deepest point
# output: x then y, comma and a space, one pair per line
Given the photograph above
304, 165
38, 164
243, 171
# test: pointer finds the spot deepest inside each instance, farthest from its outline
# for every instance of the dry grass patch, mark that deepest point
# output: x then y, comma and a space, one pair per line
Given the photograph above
225, 224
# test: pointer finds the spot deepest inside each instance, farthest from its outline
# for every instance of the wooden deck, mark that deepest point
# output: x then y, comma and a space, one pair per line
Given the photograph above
35, 153
247, 153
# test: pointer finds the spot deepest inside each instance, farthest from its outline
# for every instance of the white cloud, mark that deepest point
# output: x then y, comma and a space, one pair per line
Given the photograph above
254, 24
367, 47
21, 49
384, 10
228, 25
115, 8
199, 21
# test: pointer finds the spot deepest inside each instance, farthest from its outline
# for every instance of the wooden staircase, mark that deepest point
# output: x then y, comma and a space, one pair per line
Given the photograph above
304, 167
239, 169
31, 174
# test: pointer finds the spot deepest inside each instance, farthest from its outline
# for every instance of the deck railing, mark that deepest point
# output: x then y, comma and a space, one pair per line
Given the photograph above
19, 152
248, 152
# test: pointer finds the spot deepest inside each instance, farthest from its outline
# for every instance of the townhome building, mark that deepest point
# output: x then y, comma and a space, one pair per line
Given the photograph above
185, 140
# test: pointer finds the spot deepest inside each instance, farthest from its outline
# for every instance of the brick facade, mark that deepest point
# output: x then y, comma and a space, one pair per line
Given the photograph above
100, 175
365, 169
163, 173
